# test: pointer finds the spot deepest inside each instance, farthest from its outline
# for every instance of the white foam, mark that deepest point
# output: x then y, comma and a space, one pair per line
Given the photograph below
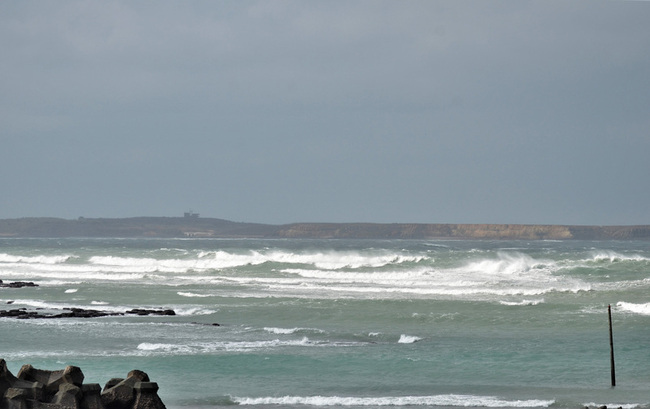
331, 260
71, 290
436, 400
192, 295
64, 274
287, 331
506, 275
612, 256
387, 277
15, 259
193, 311
149, 348
522, 302
284, 331
642, 309
367, 273
156, 347
408, 339
142, 265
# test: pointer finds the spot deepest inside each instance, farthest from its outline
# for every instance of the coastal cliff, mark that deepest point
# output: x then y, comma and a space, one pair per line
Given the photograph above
178, 227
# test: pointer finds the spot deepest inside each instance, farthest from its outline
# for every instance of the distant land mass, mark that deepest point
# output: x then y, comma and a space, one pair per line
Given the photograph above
193, 226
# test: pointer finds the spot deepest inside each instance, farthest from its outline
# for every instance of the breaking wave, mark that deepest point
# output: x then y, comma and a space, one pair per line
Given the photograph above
149, 348
642, 309
436, 400
332, 260
49, 260
408, 339
192, 295
522, 302
612, 256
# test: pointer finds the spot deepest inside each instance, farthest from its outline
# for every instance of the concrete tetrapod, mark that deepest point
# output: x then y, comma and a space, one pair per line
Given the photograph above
64, 389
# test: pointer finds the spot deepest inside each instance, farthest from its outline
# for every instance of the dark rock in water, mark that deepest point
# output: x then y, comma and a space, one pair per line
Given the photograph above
64, 389
17, 284
141, 311
23, 313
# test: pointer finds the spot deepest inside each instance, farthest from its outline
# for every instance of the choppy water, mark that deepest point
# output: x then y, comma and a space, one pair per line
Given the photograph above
347, 323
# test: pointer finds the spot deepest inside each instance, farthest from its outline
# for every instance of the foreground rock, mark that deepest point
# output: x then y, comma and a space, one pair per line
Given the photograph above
64, 389
23, 313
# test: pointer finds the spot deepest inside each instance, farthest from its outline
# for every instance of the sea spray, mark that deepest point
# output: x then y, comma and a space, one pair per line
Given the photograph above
364, 323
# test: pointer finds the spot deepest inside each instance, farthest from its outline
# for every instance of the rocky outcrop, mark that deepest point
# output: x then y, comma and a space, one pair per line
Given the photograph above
142, 311
23, 313
64, 389
17, 284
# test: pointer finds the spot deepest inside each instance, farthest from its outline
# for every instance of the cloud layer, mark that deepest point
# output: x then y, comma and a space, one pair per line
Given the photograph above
384, 111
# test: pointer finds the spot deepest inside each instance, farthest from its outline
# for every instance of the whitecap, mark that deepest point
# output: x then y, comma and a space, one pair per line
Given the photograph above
612, 256
149, 348
188, 294
436, 400
49, 260
408, 339
643, 309
194, 311
522, 302
285, 331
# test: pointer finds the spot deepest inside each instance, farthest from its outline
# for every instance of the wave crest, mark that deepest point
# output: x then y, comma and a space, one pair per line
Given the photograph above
642, 309
408, 339
49, 260
436, 400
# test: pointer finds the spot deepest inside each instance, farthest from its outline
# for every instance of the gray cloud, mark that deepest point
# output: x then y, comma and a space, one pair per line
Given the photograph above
384, 111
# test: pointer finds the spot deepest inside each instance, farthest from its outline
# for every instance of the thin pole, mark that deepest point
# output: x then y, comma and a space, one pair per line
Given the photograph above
611, 345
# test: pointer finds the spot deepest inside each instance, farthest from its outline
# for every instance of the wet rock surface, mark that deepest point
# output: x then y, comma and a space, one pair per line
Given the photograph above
24, 313
64, 389
17, 284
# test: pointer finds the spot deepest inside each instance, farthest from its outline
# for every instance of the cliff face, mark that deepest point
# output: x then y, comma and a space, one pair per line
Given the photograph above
207, 227
427, 231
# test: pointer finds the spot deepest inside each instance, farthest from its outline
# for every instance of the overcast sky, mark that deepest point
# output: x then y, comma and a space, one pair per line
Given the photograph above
330, 111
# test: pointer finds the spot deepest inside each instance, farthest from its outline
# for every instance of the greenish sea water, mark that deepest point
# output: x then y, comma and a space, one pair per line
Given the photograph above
346, 323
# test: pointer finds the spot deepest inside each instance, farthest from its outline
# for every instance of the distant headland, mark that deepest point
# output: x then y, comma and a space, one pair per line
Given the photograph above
191, 225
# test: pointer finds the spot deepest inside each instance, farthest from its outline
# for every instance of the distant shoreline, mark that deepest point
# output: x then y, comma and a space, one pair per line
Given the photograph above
197, 227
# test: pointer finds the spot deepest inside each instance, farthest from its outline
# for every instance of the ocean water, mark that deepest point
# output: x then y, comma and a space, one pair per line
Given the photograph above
341, 323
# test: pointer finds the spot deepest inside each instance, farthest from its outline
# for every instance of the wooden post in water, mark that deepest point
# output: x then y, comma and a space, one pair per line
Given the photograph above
611, 345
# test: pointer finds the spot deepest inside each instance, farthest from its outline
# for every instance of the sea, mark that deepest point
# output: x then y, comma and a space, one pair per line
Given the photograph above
341, 323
